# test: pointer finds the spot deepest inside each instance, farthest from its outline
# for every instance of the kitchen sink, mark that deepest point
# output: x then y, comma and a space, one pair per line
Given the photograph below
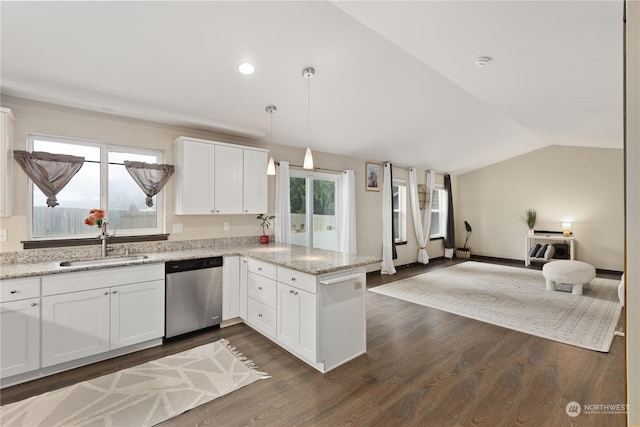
102, 261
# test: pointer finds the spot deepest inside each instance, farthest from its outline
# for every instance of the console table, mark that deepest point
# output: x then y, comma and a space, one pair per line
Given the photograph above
548, 238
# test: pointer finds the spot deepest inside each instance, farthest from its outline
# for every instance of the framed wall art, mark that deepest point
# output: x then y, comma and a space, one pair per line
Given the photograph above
373, 176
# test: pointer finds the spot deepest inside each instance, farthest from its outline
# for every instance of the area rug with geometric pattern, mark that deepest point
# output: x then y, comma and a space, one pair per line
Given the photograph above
516, 298
142, 395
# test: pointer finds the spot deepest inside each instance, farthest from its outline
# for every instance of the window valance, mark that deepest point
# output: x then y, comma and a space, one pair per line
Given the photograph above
50, 172
150, 177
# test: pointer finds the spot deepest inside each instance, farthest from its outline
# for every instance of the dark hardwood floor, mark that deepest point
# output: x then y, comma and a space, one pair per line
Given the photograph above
423, 367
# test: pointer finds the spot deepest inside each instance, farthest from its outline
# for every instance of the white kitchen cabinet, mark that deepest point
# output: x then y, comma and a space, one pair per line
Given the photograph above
218, 178
297, 321
19, 326
86, 313
244, 283
228, 179
6, 162
255, 182
75, 325
231, 288
137, 313
194, 178
20, 336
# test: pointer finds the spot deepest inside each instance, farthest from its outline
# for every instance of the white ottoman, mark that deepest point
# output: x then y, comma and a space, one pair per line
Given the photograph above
574, 273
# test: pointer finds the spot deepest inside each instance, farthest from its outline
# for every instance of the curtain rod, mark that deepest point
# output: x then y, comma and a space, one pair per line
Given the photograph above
314, 169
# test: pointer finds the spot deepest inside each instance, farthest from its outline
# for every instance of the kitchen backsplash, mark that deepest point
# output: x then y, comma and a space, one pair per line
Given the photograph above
90, 252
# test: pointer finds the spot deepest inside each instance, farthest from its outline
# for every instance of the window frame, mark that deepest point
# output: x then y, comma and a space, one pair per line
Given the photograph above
441, 210
309, 176
105, 149
402, 211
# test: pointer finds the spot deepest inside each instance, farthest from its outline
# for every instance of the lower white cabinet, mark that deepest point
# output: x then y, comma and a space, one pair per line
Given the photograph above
244, 280
19, 336
125, 307
137, 313
297, 321
75, 325
231, 287
19, 326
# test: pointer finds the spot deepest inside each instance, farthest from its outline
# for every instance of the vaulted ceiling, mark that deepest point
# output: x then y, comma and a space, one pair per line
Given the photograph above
394, 80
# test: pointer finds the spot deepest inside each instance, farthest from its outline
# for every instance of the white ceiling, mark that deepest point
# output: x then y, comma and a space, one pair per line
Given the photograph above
394, 80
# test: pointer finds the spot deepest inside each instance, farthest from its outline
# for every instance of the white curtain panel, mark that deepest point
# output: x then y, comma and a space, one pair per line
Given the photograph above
347, 240
387, 266
282, 225
421, 225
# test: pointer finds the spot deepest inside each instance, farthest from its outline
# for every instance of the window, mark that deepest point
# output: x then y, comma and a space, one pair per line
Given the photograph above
438, 217
102, 182
399, 211
314, 201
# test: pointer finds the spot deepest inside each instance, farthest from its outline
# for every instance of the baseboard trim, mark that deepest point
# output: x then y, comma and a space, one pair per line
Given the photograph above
412, 264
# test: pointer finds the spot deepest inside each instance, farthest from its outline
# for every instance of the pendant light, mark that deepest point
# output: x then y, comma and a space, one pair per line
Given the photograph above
271, 167
308, 73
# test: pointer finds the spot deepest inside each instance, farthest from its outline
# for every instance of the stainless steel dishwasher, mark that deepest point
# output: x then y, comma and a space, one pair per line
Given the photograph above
193, 297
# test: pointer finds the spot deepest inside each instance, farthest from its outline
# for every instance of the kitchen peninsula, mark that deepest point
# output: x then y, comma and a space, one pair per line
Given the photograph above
309, 301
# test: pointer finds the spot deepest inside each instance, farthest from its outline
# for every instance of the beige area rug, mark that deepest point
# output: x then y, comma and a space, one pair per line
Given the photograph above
143, 395
516, 298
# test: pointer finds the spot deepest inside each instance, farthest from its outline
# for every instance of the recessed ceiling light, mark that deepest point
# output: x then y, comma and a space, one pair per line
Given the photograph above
481, 61
246, 68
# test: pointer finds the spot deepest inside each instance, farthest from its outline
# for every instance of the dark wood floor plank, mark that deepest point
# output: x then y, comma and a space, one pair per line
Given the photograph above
423, 367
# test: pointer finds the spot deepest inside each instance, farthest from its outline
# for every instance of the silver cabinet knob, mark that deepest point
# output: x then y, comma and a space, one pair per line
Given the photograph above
115, 292
259, 288
293, 279
259, 268
106, 293
33, 304
13, 291
260, 315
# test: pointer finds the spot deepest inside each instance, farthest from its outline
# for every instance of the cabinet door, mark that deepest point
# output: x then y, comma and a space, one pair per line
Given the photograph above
194, 178
74, 325
228, 180
297, 324
255, 182
6, 162
19, 337
231, 288
244, 286
137, 313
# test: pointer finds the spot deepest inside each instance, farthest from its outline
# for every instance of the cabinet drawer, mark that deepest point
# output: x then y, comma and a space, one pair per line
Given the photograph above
262, 289
303, 281
262, 318
262, 268
18, 289
95, 279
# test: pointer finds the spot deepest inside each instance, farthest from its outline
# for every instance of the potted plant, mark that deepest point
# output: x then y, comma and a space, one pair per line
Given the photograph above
266, 223
465, 251
530, 218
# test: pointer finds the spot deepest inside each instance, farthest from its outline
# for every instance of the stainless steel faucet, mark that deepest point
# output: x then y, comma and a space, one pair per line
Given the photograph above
103, 236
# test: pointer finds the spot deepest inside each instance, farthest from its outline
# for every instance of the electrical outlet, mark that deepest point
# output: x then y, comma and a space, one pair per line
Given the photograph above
178, 228
3, 235
226, 226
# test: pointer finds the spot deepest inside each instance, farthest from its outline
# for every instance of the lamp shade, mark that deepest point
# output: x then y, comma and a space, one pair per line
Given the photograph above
308, 159
271, 167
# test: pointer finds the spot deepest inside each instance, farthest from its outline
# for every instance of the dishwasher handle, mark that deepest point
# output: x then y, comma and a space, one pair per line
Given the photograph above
339, 279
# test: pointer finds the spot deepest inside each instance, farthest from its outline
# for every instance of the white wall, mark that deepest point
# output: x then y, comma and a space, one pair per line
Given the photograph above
47, 119
580, 185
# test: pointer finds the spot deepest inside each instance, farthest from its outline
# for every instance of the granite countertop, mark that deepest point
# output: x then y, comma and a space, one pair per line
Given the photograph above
300, 258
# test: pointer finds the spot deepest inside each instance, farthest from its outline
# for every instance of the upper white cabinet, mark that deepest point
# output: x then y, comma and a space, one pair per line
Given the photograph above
218, 178
255, 182
6, 161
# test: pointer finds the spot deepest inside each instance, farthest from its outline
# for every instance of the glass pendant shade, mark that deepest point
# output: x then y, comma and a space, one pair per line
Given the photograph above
308, 160
271, 167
